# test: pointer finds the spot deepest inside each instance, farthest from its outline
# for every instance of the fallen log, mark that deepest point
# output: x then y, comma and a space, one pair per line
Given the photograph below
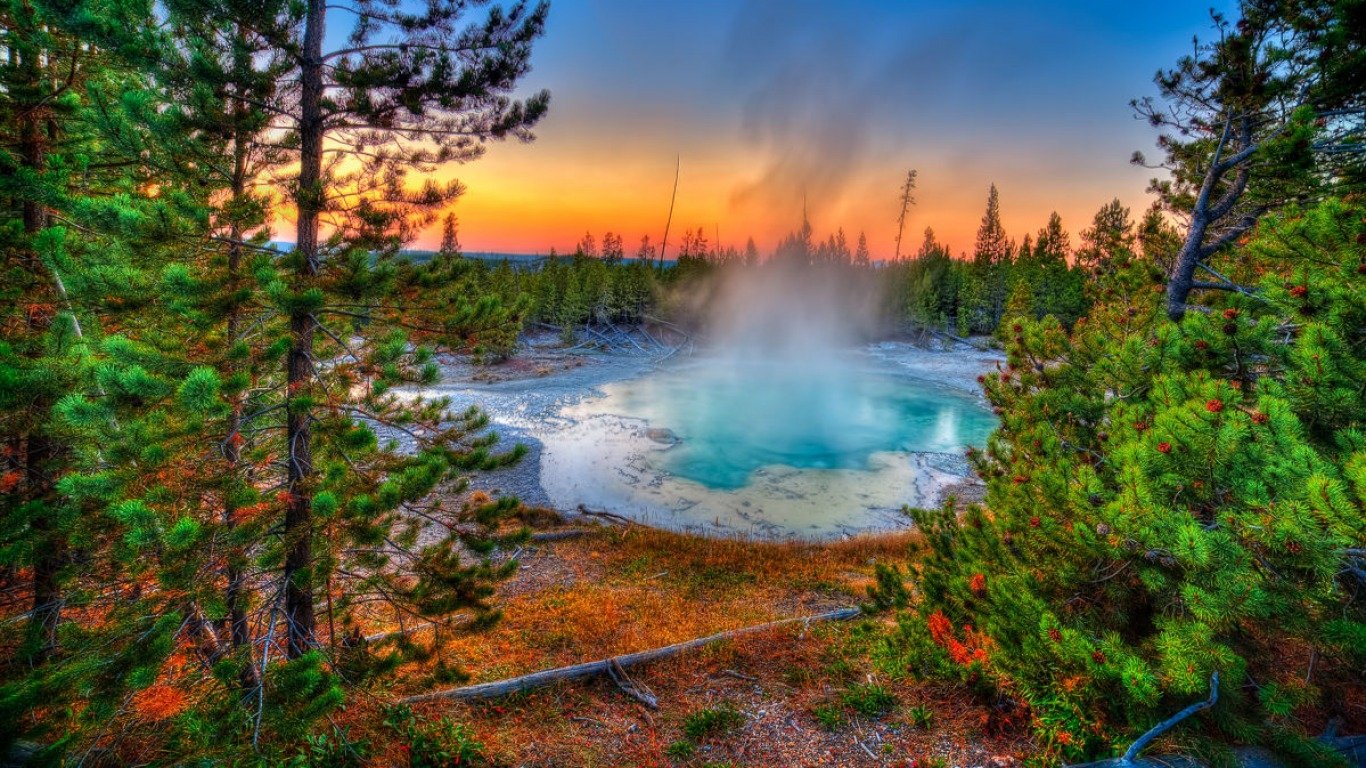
605, 666
612, 516
567, 533
959, 339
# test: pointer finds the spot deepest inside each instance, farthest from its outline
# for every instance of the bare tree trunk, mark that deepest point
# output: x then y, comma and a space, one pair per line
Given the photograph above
1182, 278
299, 580
678, 166
239, 632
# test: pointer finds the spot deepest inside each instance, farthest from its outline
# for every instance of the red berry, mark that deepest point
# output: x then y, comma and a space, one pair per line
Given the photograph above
1034, 522
1055, 635
1141, 425
1230, 313
1214, 406
1098, 657
1299, 291
1164, 447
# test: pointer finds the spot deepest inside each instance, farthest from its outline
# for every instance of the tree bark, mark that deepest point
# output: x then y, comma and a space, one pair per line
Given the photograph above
39, 450
239, 631
299, 579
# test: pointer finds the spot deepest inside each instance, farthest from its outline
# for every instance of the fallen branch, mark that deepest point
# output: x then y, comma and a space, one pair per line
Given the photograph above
568, 533
604, 666
1166, 725
638, 691
959, 339
606, 516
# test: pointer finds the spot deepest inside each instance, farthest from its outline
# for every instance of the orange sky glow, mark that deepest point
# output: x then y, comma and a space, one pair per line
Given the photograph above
767, 104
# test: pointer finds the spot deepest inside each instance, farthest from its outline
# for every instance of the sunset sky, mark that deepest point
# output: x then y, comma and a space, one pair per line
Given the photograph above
769, 100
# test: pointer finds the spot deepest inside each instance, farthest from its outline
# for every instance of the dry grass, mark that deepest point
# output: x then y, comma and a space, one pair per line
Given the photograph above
618, 591
622, 590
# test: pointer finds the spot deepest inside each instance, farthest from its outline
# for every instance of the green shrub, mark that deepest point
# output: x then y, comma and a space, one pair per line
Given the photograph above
920, 716
869, 699
712, 721
830, 716
443, 744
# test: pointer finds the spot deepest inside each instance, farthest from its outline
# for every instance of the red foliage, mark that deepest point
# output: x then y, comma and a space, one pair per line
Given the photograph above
978, 584
941, 629
1214, 406
159, 702
10, 480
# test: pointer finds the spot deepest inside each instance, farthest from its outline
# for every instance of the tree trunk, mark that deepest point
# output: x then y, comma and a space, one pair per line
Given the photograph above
39, 449
299, 579
239, 631
1182, 278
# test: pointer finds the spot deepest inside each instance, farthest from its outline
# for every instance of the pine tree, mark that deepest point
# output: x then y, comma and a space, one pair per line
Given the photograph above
1110, 237
1166, 501
907, 200
450, 238
862, 258
404, 78
751, 252
985, 292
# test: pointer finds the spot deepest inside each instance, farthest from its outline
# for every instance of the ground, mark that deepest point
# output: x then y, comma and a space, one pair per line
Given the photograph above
794, 696
787, 697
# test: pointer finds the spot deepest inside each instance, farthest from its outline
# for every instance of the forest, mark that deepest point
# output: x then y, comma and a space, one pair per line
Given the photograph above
251, 515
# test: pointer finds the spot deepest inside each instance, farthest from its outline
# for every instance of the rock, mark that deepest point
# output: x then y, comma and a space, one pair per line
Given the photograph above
662, 436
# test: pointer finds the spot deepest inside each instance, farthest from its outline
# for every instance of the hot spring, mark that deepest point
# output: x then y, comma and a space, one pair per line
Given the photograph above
736, 416
765, 446
787, 423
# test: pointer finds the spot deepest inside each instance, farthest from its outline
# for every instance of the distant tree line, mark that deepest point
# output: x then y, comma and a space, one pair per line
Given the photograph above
972, 294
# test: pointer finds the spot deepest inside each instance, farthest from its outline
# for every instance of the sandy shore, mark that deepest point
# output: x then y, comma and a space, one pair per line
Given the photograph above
551, 401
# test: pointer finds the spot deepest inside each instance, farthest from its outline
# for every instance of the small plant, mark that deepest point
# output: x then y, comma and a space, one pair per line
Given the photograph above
830, 716
680, 750
712, 721
328, 751
869, 700
443, 744
920, 716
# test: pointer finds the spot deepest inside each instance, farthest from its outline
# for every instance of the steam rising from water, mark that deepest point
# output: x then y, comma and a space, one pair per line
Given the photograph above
791, 312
